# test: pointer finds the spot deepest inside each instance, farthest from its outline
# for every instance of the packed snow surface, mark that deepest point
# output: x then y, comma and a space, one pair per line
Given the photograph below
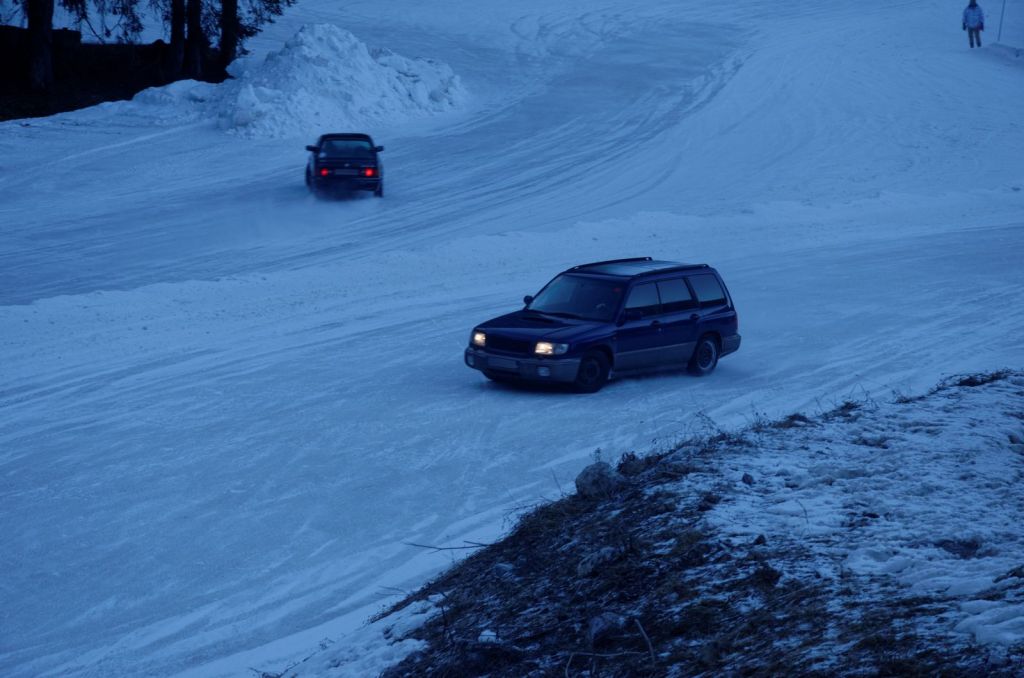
226, 407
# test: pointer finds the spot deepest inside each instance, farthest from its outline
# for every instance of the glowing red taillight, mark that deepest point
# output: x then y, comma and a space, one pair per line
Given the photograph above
324, 172
370, 172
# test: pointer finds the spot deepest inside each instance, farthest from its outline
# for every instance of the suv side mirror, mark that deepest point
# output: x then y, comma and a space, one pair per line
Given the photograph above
378, 149
313, 149
527, 300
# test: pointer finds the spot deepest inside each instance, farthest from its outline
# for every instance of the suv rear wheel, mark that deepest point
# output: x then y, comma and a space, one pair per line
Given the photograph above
705, 356
593, 372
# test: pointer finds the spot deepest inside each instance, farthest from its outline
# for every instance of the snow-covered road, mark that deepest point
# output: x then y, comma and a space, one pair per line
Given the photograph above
225, 406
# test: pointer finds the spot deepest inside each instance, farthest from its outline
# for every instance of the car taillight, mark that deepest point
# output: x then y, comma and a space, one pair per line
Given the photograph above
324, 172
370, 172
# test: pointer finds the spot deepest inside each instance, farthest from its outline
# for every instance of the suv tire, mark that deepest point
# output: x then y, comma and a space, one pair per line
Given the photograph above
705, 356
593, 372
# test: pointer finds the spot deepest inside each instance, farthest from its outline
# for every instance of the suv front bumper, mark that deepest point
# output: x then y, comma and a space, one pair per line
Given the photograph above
531, 369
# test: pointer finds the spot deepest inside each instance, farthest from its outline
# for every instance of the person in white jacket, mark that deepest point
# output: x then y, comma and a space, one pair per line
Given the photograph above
974, 22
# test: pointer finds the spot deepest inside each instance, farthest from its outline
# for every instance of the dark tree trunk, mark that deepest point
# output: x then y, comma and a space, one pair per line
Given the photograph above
228, 32
176, 56
195, 45
40, 28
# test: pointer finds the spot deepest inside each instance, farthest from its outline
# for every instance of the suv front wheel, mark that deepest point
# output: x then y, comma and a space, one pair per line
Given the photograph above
593, 372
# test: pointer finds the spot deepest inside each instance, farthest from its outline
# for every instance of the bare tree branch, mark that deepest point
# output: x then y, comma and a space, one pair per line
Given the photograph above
470, 545
647, 640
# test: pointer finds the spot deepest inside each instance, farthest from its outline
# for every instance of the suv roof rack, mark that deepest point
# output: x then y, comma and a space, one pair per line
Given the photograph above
610, 261
681, 267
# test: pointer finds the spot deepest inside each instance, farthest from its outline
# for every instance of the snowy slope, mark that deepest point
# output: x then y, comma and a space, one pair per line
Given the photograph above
924, 490
225, 406
880, 537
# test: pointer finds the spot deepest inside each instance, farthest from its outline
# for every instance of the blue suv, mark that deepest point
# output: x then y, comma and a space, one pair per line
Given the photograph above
627, 315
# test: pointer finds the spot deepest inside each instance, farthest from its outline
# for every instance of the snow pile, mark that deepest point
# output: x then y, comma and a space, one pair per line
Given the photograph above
178, 102
324, 78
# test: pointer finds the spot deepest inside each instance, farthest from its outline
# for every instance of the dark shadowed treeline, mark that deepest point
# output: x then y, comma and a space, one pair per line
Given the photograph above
100, 58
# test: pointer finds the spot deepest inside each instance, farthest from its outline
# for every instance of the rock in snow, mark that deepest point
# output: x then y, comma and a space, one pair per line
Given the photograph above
603, 626
597, 481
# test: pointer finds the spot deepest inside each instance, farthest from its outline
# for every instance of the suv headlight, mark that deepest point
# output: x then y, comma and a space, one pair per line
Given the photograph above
479, 339
547, 348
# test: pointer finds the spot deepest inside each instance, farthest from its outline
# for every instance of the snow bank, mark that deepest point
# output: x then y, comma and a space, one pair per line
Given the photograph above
924, 492
324, 78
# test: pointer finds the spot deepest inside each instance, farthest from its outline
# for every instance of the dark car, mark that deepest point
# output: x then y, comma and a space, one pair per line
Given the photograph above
345, 162
627, 315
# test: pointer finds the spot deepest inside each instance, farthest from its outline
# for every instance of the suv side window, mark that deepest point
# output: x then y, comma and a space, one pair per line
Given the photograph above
644, 298
709, 291
675, 296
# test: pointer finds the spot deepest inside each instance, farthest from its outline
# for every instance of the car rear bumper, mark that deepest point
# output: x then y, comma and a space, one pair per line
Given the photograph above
346, 183
530, 369
730, 344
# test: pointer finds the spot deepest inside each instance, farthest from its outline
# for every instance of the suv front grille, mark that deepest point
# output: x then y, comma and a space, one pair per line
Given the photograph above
508, 345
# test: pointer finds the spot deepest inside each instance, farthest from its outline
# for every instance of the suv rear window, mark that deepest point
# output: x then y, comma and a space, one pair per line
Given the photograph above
675, 296
709, 291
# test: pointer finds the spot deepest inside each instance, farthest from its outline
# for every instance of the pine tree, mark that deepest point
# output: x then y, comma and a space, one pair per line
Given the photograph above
176, 57
40, 38
195, 42
40, 31
238, 23
229, 32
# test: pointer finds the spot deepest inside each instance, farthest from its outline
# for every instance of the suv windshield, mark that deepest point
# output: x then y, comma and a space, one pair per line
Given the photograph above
578, 296
346, 148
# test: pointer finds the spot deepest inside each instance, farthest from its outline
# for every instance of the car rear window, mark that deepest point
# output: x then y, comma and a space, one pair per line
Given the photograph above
644, 298
346, 147
675, 295
709, 291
